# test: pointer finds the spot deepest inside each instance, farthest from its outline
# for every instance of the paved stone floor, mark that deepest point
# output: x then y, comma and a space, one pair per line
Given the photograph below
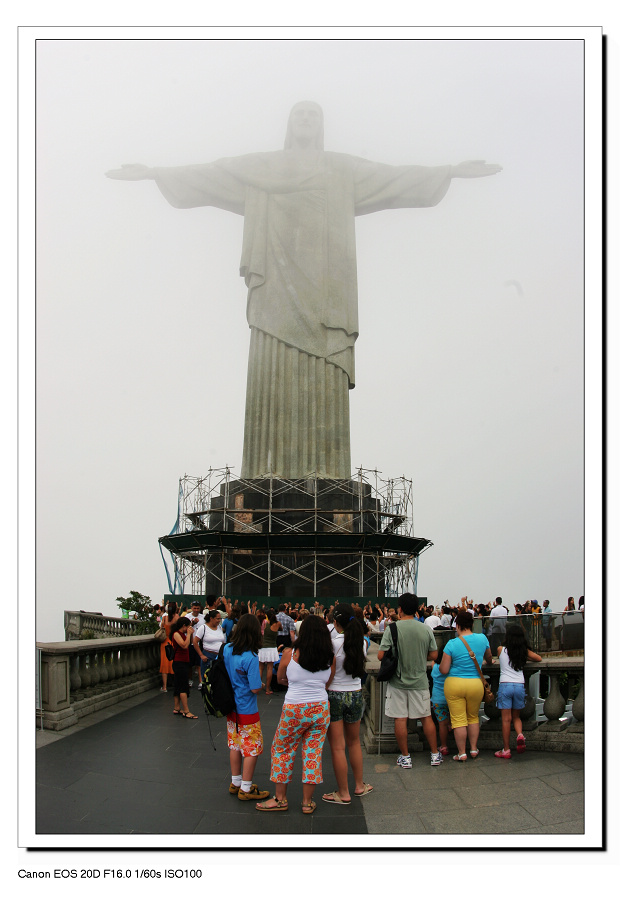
123, 771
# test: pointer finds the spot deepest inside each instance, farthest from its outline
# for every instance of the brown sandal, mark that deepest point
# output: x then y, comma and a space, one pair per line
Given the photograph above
279, 805
308, 808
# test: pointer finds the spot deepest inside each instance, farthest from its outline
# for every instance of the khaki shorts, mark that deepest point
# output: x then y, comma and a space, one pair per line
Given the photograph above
401, 704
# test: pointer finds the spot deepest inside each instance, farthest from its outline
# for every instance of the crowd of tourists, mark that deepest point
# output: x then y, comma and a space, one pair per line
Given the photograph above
318, 657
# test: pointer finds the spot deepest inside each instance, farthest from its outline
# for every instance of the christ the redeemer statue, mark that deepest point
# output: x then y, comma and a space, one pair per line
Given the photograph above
298, 260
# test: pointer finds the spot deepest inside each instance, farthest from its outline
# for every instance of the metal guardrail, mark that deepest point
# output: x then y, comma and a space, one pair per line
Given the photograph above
545, 632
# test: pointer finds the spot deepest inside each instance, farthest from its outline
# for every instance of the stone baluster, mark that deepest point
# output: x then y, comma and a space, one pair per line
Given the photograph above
118, 666
528, 711
95, 674
578, 710
110, 664
102, 666
490, 709
85, 674
75, 681
579, 703
126, 661
554, 706
139, 660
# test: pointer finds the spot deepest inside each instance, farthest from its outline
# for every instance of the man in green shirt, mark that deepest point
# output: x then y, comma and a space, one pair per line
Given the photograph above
407, 695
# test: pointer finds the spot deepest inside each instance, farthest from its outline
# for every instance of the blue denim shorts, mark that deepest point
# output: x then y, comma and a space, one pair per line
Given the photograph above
510, 695
345, 705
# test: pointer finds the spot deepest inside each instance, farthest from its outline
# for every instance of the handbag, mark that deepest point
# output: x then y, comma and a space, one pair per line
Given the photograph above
160, 635
170, 650
389, 662
489, 696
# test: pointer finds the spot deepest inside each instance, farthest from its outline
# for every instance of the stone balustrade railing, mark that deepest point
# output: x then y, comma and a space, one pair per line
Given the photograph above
77, 622
556, 732
77, 678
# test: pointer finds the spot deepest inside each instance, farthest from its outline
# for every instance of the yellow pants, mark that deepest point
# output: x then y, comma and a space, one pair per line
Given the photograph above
464, 696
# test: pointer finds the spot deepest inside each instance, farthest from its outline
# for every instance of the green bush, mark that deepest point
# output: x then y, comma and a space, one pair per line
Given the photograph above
139, 604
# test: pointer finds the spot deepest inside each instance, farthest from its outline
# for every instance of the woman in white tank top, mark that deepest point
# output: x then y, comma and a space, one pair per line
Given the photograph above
513, 657
346, 705
305, 668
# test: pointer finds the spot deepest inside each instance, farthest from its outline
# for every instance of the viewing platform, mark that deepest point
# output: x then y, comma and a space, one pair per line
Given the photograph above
110, 754
121, 775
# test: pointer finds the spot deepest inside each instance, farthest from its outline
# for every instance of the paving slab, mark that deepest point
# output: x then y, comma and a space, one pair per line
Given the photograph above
120, 775
564, 828
556, 810
485, 820
395, 824
507, 792
526, 765
567, 782
142, 818
418, 801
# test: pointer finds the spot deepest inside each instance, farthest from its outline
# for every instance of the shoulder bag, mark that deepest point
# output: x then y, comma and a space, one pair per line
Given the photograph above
389, 662
489, 696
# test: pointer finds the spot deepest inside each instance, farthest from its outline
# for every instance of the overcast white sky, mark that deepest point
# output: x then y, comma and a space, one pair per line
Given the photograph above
466, 385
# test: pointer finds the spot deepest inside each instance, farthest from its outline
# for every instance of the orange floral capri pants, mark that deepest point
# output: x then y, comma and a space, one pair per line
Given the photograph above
305, 724
244, 734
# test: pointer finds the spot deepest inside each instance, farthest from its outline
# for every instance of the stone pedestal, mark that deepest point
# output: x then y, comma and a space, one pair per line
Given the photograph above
55, 682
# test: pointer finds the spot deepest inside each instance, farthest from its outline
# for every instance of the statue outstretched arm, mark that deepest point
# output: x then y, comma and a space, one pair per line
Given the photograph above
131, 172
184, 187
474, 168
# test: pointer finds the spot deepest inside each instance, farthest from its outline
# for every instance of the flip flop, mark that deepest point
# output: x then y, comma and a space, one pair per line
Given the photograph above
280, 805
335, 797
176, 712
308, 808
367, 789
188, 715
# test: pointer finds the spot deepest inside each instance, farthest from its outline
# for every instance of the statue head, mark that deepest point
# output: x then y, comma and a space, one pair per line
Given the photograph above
305, 127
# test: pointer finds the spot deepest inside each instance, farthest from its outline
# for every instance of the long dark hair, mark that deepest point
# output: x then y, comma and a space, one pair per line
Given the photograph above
516, 647
246, 635
180, 622
171, 609
314, 645
353, 645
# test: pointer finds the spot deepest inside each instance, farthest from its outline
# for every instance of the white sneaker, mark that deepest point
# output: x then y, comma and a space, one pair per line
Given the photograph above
404, 762
436, 759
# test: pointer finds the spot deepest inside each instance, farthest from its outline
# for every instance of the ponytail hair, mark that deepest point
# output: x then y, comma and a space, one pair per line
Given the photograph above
353, 640
516, 647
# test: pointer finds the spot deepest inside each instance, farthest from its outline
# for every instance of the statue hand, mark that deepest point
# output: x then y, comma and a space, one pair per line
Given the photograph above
475, 168
131, 172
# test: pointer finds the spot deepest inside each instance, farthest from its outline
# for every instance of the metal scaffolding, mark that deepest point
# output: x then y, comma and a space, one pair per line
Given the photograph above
352, 536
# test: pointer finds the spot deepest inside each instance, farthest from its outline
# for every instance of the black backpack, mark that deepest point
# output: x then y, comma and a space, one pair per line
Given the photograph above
170, 650
389, 663
217, 691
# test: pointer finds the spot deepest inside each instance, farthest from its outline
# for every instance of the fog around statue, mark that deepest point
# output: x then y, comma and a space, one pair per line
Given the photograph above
299, 263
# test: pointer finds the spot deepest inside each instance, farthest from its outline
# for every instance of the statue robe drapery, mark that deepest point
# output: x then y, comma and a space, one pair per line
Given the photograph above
299, 263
